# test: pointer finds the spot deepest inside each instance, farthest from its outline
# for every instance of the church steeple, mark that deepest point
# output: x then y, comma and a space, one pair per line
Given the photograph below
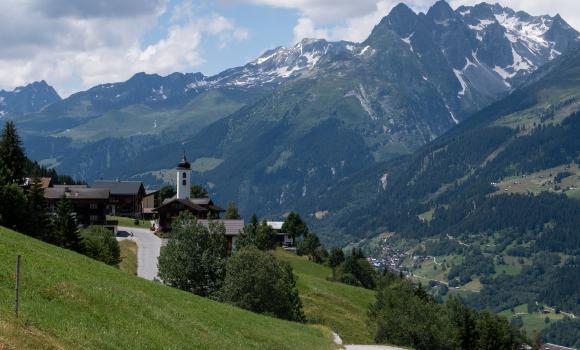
183, 180
184, 164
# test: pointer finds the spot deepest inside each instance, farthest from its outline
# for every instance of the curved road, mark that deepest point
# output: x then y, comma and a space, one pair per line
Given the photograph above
148, 249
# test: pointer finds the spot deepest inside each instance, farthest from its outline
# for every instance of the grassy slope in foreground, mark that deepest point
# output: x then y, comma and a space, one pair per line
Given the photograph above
69, 301
341, 307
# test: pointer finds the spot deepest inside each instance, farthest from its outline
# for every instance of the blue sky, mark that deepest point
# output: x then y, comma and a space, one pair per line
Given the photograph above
74, 45
267, 27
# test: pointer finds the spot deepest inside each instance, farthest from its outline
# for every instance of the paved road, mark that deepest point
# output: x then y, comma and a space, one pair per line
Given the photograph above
148, 249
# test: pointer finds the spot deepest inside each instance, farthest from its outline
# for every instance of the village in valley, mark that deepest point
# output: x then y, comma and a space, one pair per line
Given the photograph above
114, 203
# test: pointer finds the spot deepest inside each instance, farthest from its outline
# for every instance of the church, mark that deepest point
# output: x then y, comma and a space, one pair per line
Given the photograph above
203, 209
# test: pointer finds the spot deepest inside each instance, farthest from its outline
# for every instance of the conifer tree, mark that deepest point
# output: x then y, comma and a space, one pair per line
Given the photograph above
232, 212
65, 232
38, 220
11, 152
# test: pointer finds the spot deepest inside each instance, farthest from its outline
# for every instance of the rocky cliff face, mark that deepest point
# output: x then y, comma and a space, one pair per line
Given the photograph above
27, 99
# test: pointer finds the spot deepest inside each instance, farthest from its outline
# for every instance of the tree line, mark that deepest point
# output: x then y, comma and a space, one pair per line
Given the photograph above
27, 211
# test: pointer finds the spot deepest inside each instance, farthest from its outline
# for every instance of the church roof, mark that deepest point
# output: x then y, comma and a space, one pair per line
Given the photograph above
184, 164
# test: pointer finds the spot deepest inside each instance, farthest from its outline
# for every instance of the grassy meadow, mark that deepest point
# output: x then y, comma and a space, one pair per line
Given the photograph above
128, 257
340, 307
69, 301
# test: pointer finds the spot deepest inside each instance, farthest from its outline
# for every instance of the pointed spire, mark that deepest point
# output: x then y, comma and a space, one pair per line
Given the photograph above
184, 164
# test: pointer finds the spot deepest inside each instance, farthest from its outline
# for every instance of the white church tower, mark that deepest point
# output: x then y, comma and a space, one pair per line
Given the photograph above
183, 180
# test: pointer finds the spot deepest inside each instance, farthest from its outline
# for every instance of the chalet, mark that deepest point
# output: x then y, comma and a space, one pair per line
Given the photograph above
203, 209
126, 196
283, 239
89, 204
151, 201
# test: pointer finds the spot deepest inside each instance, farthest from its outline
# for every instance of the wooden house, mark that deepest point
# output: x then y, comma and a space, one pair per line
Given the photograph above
89, 204
126, 197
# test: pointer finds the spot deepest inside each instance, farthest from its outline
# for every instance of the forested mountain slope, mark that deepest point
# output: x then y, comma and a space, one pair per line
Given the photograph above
297, 120
495, 200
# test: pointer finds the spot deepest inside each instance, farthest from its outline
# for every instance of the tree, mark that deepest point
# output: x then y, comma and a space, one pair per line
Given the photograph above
402, 318
232, 212
463, 321
167, 191
358, 271
100, 244
65, 231
336, 258
496, 333
13, 207
261, 236
259, 282
294, 226
38, 219
197, 191
309, 245
11, 152
194, 258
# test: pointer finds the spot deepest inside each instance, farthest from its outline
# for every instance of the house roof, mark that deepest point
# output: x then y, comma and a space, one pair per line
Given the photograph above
184, 202
206, 203
276, 225
119, 187
233, 227
70, 186
45, 182
76, 193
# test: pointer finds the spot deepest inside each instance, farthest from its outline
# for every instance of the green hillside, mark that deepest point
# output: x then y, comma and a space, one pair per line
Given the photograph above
341, 307
69, 301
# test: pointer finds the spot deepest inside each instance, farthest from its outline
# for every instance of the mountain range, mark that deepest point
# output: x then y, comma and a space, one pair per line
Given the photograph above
284, 128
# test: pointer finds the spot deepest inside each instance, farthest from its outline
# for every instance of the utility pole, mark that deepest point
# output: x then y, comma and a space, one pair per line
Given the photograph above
17, 301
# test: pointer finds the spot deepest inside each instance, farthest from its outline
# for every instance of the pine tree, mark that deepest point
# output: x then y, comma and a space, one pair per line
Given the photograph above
65, 232
294, 226
38, 220
197, 191
11, 152
232, 212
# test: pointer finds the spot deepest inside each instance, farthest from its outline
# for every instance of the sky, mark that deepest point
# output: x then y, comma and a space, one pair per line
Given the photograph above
74, 45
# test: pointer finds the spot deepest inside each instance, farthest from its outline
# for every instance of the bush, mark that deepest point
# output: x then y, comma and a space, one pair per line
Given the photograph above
309, 245
261, 236
359, 268
100, 244
258, 282
404, 315
194, 258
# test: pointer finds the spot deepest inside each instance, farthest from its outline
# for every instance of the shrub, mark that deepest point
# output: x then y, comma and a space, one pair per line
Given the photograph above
194, 258
258, 282
100, 244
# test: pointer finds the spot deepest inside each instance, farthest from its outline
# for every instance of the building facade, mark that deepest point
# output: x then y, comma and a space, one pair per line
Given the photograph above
126, 197
89, 205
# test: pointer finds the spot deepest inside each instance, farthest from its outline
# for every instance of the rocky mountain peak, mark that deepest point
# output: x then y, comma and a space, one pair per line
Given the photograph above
27, 99
440, 12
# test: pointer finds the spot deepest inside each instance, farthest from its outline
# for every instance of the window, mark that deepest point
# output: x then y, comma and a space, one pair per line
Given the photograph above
184, 182
94, 218
94, 206
184, 175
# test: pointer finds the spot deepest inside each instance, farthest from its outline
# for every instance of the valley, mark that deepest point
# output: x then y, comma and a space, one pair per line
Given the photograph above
406, 188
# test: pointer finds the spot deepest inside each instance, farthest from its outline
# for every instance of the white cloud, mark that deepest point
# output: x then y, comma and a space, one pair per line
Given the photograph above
88, 45
354, 20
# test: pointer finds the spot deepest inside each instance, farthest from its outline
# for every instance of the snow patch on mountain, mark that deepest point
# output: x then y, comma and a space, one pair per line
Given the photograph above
407, 41
364, 101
